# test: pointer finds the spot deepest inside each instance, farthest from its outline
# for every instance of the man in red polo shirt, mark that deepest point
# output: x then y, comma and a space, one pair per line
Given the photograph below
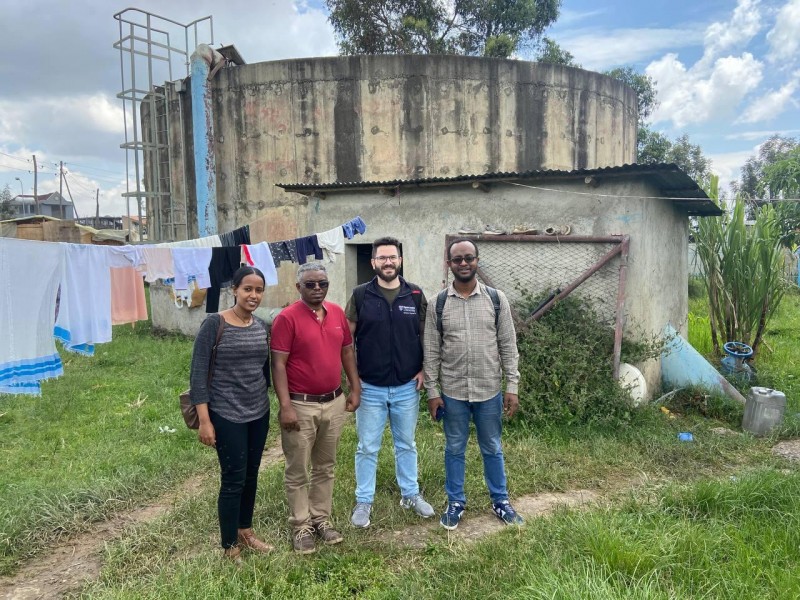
311, 342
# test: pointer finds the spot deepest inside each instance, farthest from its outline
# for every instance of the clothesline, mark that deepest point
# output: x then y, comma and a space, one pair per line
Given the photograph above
76, 292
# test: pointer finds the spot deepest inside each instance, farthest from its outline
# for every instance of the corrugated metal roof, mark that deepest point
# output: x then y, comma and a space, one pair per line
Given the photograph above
668, 178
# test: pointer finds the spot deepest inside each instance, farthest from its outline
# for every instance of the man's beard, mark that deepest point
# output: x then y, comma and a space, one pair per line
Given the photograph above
385, 277
463, 278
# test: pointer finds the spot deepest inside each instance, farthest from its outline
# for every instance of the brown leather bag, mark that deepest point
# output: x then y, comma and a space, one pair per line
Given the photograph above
187, 408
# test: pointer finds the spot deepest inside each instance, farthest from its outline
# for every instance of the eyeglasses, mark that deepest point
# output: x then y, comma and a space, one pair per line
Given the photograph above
383, 259
310, 285
469, 259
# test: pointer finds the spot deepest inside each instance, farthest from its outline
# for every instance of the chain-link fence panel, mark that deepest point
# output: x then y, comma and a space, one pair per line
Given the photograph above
533, 266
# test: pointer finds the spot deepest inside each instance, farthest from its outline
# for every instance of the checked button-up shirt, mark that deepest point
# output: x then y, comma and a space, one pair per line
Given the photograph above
468, 360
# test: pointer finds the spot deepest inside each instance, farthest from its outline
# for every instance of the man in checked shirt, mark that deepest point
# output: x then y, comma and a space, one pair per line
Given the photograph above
465, 362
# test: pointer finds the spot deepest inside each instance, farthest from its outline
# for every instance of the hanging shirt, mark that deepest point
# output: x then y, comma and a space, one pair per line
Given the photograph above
127, 296
124, 256
84, 314
30, 272
306, 246
191, 261
354, 226
332, 242
224, 262
283, 251
157, 263
237, 237
260, 257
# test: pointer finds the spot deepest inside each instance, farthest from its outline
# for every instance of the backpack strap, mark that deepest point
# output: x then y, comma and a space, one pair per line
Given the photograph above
213, 362
495, 302
441, 298
359, 292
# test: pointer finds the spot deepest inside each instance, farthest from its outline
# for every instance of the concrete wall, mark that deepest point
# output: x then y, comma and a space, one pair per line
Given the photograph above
420, 218
369, 118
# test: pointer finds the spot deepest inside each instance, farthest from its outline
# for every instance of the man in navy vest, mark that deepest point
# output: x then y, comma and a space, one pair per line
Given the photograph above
387, 318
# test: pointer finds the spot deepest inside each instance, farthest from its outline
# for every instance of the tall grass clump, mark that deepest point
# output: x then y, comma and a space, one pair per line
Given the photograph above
743, 272
566, 367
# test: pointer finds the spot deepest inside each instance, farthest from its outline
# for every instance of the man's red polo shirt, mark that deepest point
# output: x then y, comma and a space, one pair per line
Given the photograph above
314, 348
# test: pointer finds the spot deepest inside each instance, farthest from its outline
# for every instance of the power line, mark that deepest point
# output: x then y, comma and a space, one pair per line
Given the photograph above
25, 160
92, 168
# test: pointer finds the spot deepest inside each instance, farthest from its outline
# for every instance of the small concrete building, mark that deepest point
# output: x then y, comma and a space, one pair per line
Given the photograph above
649, 203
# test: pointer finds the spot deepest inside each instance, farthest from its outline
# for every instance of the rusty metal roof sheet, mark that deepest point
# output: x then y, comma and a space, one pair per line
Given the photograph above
672, 182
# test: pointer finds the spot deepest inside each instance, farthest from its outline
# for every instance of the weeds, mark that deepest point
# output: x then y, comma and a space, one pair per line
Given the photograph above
566, 364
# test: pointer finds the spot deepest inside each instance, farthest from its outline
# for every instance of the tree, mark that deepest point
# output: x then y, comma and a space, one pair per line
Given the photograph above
6, 210
643, 85
550, 52
751, 184
468, 27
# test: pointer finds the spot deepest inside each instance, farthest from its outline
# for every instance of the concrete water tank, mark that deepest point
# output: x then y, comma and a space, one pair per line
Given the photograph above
381, 118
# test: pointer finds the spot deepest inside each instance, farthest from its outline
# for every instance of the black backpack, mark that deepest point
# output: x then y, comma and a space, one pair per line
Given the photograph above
441, 298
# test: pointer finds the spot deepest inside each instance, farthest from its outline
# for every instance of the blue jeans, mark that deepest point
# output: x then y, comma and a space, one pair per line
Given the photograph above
401, 405
488, 419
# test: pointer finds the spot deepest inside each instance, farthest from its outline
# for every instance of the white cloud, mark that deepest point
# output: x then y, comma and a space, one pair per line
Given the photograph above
760, 134
727, 165
744, 24
568, 17
599, 50
784, 37
702, 93
771, 104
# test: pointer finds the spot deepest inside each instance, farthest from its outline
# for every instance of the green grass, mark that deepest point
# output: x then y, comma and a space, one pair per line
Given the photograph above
716, 518
91, 446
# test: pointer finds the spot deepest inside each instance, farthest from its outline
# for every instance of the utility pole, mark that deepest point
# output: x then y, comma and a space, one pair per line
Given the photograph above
35, 187
75, 208
97, 210
60, 188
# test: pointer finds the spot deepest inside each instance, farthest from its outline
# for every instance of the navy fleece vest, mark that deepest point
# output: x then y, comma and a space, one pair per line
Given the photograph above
388, 345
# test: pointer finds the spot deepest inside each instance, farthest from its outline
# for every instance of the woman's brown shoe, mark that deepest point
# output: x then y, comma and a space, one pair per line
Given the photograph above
233, 554
249, 540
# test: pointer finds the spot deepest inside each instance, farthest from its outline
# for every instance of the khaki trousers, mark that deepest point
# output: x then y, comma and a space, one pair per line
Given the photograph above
310, 499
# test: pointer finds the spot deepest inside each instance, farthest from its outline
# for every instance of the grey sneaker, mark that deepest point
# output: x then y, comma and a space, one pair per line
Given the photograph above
360, 516
420, 506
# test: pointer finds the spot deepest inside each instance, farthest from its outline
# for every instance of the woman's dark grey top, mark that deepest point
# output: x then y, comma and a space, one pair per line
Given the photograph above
240, 379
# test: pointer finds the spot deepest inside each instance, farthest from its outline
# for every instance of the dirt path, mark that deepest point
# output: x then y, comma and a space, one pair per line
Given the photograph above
477, 525
68, 565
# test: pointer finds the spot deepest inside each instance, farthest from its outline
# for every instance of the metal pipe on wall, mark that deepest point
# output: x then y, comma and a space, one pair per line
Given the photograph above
204, 62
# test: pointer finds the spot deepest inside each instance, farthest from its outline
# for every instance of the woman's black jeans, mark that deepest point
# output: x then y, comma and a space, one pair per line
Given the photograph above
239, 449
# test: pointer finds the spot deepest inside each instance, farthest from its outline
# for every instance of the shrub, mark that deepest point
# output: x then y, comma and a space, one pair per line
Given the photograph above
565, 367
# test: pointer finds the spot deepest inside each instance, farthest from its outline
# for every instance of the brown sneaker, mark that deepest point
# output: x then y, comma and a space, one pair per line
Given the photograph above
304, 540
248, 539
233, 554
327, 533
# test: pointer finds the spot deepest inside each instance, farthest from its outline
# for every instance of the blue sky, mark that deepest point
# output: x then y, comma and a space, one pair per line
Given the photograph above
727, 72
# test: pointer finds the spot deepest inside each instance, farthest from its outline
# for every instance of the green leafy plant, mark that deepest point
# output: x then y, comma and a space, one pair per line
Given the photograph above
566, 367
743, 267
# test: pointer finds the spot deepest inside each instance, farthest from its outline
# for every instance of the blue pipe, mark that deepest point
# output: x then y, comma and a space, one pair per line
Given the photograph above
205, 175
682, 365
